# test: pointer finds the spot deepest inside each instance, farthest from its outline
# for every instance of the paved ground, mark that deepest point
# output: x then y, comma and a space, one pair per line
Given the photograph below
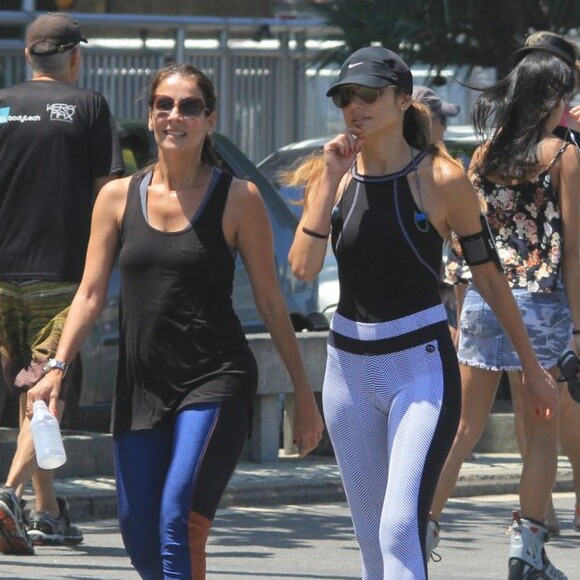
308, 542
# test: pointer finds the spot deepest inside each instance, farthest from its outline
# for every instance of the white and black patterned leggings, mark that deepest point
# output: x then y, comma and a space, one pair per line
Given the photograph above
391, 401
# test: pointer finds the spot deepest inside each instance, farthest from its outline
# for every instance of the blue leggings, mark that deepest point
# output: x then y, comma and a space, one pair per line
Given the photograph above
392, 401
171, 475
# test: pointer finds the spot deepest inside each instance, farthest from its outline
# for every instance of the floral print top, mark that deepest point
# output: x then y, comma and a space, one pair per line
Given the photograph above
527, 226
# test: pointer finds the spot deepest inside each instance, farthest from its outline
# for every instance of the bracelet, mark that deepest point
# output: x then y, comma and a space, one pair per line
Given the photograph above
576, 331
314, 234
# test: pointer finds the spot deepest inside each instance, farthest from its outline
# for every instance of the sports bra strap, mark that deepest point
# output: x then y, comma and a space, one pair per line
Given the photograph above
558, 155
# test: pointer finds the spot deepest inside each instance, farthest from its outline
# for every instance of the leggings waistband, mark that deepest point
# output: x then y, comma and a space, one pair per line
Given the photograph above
390, 336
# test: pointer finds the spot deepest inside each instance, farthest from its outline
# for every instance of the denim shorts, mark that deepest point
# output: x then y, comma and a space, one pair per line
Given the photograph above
484, 344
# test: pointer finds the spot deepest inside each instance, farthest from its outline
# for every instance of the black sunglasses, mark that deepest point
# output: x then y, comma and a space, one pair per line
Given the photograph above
190, 107
344, 95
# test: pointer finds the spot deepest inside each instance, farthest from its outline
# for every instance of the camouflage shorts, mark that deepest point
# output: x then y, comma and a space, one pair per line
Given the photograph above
484, 344
32, 316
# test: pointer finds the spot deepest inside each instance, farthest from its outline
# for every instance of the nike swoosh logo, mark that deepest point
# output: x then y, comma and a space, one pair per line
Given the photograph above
353, 64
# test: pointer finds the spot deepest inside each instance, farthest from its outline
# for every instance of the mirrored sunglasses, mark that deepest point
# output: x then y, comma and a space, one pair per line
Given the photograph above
344, 95
190, 107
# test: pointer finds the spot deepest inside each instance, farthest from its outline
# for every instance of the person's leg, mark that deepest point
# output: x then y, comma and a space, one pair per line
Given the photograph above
358, 433
529, 534
23, 463
540, 462
518, 406
46, 306
14, 355
478, 389
523, 433
391, 419
570, 442
14, 538
43, 307
141, 462
208, 441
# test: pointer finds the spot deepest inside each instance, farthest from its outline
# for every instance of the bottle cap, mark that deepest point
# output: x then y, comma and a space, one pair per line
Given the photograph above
38, 404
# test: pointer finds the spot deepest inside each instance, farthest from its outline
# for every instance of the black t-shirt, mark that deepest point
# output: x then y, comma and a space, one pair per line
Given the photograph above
55, 139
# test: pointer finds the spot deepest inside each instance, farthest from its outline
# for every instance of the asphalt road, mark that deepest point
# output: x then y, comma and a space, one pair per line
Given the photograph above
309, 542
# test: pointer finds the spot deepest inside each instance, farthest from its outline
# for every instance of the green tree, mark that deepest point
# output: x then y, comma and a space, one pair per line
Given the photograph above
445, 32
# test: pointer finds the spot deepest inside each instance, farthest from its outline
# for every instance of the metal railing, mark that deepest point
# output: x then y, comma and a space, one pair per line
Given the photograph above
263, 86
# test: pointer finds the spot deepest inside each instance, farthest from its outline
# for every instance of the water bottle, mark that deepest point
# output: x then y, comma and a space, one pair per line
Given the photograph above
47, 439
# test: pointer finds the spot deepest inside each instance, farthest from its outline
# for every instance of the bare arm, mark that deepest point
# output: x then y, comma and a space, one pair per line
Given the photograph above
88, 301
307, 253
100, 182
246, 225
463, 210
568, 182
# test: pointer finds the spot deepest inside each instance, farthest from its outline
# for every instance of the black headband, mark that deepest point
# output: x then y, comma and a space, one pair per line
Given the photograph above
554, 44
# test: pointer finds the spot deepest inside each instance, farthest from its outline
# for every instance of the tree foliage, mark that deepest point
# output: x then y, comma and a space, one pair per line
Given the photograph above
445, 32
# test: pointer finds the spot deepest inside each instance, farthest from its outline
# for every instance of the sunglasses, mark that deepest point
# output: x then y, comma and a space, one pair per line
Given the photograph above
344, 95
190, 107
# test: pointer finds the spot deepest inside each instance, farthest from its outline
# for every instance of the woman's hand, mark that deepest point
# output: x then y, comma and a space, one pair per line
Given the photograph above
574, 118
47, 390
308, 425
340, 152
544, 391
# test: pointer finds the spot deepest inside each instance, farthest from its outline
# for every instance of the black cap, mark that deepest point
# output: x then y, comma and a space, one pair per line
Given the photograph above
53, 33
428, 97
550, 43
375, 67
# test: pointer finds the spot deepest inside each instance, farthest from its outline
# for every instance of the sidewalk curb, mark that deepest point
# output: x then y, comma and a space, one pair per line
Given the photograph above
301, 481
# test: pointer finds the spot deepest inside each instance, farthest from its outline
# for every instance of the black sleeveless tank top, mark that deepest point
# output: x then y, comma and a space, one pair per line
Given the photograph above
388, 254
180, 340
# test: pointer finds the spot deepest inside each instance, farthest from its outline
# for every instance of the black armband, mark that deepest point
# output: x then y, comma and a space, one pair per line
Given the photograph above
480, 248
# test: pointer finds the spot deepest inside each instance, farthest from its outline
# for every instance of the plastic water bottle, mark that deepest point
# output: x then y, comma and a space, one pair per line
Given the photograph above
47, 439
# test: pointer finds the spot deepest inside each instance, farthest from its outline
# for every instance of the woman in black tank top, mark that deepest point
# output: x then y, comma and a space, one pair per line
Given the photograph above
186, 377
391, 393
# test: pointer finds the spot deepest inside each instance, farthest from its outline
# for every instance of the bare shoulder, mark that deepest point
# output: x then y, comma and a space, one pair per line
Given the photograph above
243, 194
449, 176
116, 186
458, 201
571, 154
244, 204
112, 198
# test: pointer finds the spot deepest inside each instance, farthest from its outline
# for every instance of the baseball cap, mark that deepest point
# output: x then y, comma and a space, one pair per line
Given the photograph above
428, 97
375, 67
53, 33
551, 43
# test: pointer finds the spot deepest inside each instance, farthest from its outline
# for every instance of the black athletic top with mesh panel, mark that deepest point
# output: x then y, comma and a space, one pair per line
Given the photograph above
180, 340
388, 254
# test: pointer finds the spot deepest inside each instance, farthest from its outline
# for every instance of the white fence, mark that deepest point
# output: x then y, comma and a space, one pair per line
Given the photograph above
270, 93
263, 86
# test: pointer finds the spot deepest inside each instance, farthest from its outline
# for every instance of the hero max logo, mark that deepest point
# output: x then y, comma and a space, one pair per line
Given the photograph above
61, 112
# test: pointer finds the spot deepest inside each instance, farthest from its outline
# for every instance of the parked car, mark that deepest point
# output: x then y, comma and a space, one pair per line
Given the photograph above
99, 351
460, 141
